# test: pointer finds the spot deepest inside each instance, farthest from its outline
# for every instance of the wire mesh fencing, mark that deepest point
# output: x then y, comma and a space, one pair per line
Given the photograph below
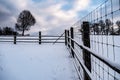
104, 24
103, 65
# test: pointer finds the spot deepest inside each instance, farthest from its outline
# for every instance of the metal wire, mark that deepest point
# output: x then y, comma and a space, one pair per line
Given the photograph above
104, 37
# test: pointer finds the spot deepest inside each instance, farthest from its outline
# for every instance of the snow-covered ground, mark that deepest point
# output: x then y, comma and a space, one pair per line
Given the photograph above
107, 47
35, 62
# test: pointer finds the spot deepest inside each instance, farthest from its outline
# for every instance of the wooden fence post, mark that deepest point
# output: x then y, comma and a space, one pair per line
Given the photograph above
68, 35
40, 37
14, 38
72, 42
86, 54
65, 37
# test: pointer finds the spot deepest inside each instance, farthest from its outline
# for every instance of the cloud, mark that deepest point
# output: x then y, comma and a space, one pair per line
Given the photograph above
4, 13
51, 15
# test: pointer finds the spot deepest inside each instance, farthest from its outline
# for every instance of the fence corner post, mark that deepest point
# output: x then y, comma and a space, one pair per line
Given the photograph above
39, 37
65, 37
15, 38
72, 42
86, 42
68, 40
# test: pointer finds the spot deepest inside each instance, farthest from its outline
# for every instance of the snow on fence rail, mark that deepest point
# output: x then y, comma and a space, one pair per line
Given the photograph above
33, 39
104, 24
90, 64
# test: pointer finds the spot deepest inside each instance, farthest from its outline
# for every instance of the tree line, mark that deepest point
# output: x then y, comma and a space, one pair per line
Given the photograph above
24, 21
7, 31
106, 27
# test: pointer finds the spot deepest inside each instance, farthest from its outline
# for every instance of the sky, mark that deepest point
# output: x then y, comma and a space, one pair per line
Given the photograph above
52, 16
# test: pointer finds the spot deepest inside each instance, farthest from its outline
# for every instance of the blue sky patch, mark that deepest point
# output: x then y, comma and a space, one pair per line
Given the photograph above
67, 7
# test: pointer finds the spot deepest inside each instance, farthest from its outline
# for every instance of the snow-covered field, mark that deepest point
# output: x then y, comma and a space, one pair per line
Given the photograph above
35, 62
107, 47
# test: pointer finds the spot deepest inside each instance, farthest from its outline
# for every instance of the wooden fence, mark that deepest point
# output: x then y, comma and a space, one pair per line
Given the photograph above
89, 64
33, 39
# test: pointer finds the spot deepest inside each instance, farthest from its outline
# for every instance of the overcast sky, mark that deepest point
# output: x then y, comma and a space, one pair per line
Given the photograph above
52, 16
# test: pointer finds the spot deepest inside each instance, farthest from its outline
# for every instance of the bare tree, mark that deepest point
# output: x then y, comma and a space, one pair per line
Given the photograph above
0, 31
108, 25
102, 26
25, 21
96, 28
8, 31
118, 24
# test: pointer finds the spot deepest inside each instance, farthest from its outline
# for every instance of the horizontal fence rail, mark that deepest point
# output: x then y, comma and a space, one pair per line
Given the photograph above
104, 49
33, 39
108, 62
94, 45
102, 68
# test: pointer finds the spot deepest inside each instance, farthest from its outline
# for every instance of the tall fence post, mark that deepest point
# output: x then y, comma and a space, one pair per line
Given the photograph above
40, 37
86, 54
15, 38
72, 42
65, 37
68, 35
